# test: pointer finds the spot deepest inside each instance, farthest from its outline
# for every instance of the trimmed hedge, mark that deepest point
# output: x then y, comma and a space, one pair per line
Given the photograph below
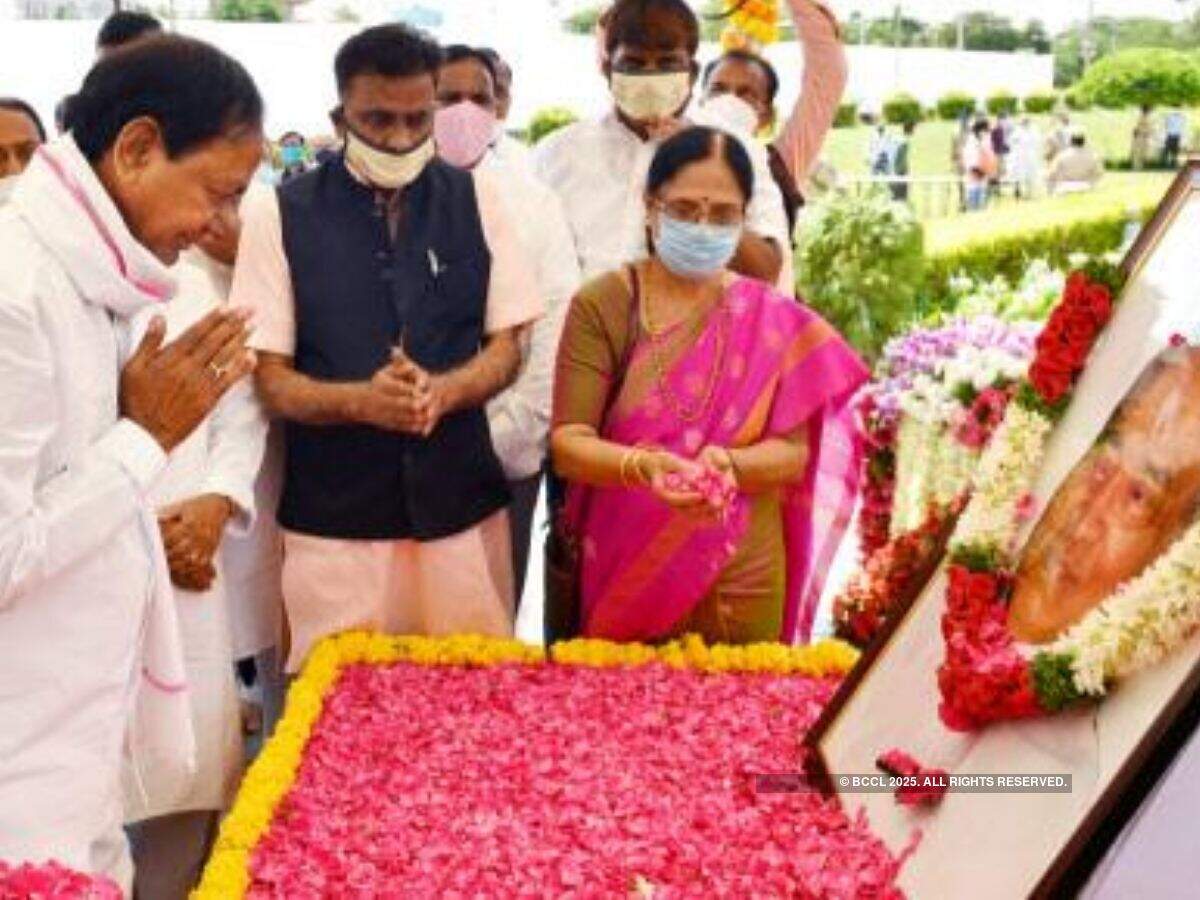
1041, 103
1076, 101
900, 109
1002, 102
954, 105
1009, 256
847, 116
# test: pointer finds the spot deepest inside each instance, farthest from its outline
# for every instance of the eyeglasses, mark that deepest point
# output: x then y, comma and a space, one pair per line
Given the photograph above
696, 212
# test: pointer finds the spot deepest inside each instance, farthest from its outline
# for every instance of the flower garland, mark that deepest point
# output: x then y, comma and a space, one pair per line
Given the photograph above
927, 415
273, 774
753, 24
985, 677
53, 881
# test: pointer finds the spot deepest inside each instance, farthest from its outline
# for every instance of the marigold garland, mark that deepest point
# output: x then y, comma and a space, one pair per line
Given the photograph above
271, 776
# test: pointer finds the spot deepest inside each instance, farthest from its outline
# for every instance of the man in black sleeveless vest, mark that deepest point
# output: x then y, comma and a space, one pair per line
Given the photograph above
391, 300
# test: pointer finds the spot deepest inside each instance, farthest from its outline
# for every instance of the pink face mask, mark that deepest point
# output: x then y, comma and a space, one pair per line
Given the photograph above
463, 133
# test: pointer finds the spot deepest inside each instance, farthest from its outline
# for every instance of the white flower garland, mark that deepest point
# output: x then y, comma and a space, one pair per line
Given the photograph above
1006, 474
1143, 621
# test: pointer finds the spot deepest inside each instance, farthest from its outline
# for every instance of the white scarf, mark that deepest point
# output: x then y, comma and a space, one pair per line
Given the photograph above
70, 212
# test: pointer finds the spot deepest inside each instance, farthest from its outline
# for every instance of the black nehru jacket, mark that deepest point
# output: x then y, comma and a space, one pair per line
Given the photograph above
357, 296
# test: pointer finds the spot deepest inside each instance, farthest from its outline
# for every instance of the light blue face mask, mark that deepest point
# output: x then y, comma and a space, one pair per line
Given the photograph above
695, 249
291, 155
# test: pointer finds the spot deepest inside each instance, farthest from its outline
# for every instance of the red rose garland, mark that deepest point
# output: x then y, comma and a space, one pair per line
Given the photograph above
985, 677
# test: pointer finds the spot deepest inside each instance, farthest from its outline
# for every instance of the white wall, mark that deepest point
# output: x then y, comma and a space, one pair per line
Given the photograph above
293, 65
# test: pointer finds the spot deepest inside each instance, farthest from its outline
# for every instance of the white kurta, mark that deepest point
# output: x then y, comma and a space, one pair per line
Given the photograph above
599, 169
79, 560
221, 457
519, 416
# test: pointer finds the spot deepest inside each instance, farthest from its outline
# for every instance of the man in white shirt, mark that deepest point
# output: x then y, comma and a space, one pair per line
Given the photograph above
165, 135
505, 147
519, 417
598, 168
205, 494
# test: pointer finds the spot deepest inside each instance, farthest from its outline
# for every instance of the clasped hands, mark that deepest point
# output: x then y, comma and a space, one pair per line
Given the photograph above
404, 398
192, 532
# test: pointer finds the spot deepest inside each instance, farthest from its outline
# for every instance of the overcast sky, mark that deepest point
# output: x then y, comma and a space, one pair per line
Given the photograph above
1057, 14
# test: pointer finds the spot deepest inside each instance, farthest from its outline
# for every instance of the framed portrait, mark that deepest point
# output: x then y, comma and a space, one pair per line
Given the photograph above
1115, 488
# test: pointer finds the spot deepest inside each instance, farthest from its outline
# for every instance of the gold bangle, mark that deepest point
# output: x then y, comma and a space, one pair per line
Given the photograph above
626, 458
643, 475
733, 467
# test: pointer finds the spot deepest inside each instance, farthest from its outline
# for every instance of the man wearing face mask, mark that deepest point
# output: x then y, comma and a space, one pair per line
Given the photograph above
599, 168
392, 297
505, 147
21, 133
519, 417
740, 87
293, 153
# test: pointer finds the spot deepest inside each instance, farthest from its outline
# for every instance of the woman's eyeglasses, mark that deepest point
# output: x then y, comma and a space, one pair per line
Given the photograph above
698, 212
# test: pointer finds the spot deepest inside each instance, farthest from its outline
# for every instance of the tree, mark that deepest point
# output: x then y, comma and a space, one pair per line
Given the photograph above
583, 21
1147, 77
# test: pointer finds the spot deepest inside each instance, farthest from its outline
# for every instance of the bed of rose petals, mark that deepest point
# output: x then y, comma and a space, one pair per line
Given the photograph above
564, 781
892, 576
985, 677
52, 881
921, 787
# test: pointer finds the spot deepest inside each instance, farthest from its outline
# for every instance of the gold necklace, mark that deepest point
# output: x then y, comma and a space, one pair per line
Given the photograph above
679, 407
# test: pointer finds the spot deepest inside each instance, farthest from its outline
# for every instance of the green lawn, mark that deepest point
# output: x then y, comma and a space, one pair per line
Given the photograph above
1110, 132
1118, 192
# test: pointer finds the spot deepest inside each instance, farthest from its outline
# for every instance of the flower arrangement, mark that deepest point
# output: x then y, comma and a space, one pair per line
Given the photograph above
892, 576
985, 676
478, 767
936, 399
53, 881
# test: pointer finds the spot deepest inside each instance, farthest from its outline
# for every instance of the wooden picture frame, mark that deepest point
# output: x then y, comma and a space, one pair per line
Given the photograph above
1118, 794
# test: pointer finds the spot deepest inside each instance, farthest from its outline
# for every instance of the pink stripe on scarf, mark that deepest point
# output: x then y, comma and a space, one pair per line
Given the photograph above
163, 686
155, 292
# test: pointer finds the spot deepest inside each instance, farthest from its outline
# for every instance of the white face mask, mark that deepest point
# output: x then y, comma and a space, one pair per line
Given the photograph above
6, 187
658, 95
731, 114
388, 169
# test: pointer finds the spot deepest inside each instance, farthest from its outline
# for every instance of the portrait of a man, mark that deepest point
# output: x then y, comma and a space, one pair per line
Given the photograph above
1123, 505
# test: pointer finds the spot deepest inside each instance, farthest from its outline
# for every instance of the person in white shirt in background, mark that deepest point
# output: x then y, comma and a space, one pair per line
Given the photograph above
598, 168
21, 133
164, 136
520, 416
205, 494
505, 148
1025, 158
1076, 170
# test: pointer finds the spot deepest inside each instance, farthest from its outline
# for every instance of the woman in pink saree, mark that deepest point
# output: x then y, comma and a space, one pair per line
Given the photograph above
674, 374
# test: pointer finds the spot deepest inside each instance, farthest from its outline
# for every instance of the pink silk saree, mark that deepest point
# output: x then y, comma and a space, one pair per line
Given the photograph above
645, 567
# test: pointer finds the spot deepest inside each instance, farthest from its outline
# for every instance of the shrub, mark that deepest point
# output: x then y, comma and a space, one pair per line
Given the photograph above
847, 116
900, 109
1002, 102
954, 106
549, 120
1154, 77
860, 263
1076, 100
1008, 257
1041, 102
